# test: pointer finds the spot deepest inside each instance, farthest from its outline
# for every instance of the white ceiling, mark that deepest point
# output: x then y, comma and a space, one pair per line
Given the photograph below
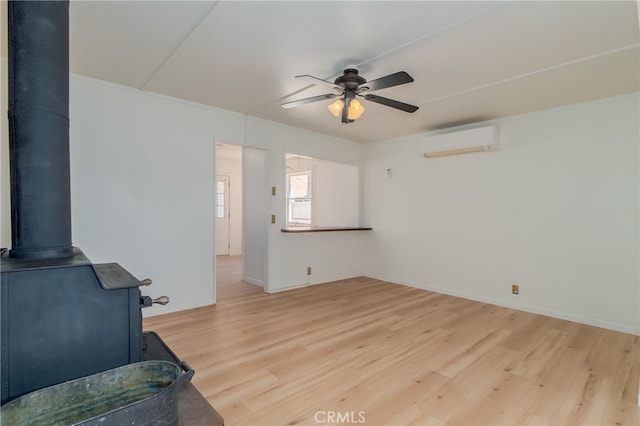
471, 61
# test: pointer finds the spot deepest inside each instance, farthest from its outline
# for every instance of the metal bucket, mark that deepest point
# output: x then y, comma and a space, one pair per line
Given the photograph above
143, 393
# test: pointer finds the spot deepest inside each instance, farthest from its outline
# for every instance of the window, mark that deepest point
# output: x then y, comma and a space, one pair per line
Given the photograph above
220, 189
299, 207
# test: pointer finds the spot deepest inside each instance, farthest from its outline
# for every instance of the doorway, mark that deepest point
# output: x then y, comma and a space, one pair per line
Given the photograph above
228, 217
241, 235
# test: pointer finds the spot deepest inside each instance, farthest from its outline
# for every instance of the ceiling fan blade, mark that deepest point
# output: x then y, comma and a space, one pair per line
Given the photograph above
292, 104
320, 82
391, 103
390, 80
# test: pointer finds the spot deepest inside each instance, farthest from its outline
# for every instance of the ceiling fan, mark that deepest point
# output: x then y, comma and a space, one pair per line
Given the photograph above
348, 87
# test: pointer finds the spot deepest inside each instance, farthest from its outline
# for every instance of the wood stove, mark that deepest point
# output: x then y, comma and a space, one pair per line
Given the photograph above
61, 316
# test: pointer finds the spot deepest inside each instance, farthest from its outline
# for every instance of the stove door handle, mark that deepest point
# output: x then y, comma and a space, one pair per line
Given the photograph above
162, 300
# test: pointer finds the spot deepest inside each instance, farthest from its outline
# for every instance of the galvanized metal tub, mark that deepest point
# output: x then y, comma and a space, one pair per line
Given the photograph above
143, 393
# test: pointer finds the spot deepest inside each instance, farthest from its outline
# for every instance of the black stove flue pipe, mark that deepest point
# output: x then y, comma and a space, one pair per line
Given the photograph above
39, 129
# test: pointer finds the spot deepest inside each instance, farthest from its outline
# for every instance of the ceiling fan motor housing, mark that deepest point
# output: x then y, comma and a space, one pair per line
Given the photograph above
350, 79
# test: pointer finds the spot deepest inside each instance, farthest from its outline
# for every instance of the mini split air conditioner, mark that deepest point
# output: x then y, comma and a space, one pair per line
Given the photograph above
462, 142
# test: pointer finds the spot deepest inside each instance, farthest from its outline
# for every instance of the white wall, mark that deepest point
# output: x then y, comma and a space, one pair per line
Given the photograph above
555, 211
332, 255
232, 167
255, 220
336, 194
142, 182
142, 177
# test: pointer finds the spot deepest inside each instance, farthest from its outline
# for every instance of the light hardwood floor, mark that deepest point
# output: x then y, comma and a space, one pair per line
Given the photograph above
369, 350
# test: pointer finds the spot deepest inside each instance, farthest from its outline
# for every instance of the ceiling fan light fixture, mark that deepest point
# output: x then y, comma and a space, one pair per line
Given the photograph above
355, 109
336, 107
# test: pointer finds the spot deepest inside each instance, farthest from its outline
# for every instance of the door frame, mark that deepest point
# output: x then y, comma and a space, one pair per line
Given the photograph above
266, 284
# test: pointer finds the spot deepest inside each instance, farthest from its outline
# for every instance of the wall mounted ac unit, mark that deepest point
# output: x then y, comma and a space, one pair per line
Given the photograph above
462, 142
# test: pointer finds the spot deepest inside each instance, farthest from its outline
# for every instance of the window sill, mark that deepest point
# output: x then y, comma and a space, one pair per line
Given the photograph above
299, 229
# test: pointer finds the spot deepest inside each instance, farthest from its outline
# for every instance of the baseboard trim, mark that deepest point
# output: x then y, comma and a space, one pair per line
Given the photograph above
167, 309
307, 284
252, 281
624, 328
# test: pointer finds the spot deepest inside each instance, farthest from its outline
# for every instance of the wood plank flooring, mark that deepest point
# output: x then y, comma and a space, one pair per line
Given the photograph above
375, 353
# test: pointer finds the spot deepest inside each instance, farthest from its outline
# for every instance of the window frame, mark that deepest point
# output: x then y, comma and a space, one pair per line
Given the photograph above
308, 199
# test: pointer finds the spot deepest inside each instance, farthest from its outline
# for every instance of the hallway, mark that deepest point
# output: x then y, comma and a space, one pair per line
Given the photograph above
228, 279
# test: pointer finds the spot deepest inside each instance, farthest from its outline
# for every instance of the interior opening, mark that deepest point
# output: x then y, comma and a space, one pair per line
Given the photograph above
228, 216
320, 193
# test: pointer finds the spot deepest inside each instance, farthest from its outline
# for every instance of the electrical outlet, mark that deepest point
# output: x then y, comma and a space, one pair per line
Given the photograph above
515, 289
308, 270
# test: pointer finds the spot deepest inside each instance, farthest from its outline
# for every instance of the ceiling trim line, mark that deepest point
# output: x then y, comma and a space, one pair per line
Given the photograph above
538, 71
178, 46
434, 33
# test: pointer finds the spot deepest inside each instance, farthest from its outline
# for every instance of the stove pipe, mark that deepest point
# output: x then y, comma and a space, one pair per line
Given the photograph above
39, 129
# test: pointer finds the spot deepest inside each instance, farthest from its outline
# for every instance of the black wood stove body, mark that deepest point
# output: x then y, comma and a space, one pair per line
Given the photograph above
63, 320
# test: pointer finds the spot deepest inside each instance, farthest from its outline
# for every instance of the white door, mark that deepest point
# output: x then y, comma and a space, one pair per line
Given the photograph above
222, 215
